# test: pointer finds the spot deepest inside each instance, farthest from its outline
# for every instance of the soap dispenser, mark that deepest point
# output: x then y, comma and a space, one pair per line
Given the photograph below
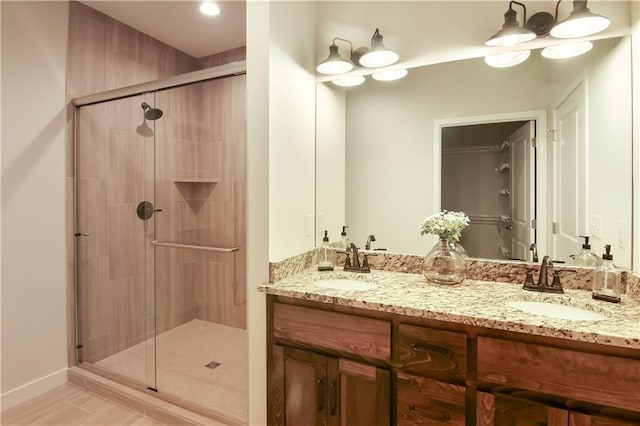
343, 244
325, 255
586, 257
606, 279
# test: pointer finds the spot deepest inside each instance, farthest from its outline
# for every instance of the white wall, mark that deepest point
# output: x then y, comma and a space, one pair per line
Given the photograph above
34, 311
291, 128
635, 45
257, 204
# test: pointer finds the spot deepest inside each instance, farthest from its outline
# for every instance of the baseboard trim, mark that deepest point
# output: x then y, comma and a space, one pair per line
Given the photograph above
32, 389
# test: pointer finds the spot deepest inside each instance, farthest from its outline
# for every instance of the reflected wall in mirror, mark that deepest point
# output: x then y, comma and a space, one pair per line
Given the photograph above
376, 149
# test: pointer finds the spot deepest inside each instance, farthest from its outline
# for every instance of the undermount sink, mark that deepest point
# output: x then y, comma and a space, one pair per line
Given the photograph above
345, 284
556, 310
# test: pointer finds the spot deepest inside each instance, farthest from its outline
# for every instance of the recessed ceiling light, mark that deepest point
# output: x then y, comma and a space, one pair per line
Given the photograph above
210, 9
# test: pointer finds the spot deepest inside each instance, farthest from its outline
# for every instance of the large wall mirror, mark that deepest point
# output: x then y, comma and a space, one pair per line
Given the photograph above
390, 154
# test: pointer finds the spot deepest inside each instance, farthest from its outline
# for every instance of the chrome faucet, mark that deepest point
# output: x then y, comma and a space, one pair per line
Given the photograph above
534, 248
355, 266
371, 238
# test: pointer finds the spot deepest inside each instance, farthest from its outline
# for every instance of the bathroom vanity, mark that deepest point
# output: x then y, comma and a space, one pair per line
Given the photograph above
404, 351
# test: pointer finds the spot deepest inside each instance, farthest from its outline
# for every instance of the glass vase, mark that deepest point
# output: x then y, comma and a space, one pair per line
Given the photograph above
444, 264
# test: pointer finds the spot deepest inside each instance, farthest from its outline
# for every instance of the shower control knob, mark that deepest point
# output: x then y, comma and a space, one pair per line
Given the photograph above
145, 210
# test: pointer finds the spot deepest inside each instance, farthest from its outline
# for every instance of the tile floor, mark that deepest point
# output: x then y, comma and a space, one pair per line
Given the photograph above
72, 405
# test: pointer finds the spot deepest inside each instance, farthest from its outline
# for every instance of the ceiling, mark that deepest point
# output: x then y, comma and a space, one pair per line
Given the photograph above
420, 30
180, 23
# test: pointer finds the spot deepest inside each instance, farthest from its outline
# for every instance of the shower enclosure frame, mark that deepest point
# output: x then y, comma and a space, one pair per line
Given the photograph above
223, 71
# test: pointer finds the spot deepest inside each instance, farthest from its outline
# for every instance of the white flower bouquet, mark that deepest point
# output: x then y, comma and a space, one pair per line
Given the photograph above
447, 225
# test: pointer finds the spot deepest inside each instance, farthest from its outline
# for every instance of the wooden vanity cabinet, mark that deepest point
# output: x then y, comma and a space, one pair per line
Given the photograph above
335, 365
432, 370
504, 410
313, 389
319, 374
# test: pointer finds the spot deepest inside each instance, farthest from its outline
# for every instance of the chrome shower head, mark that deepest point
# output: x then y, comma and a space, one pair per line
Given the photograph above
151, 113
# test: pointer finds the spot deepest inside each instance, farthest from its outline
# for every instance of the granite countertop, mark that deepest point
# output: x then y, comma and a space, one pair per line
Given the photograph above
477, 303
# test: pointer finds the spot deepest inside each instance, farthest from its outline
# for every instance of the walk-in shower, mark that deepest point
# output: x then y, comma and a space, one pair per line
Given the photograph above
161, 239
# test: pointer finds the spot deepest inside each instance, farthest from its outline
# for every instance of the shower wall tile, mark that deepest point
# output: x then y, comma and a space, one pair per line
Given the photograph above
186, 158
92, 144
126, 164
93, 295
92, 198
220, 284
86, 69
126, 241
233, 55
126, 311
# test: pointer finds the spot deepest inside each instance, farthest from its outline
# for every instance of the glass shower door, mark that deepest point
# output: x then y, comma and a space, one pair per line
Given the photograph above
115, 226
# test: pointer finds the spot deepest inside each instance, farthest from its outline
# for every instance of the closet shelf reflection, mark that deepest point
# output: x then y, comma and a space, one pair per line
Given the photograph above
503, 167
193, 247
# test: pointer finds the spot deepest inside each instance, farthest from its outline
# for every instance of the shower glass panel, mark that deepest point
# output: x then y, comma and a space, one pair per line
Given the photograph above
200, 248
115, 225
161, 259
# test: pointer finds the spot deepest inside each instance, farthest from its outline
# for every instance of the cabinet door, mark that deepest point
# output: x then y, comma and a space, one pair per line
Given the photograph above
298, 388
502, 410
576, 419
359, 394
423, 401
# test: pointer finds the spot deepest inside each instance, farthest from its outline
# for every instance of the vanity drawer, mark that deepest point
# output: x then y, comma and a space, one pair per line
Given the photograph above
347, 334
423, 401
432, 353
595, 378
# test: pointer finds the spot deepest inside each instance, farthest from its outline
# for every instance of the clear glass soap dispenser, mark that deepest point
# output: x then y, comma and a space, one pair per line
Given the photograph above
606, 279
343, 244
586, 257
325, 255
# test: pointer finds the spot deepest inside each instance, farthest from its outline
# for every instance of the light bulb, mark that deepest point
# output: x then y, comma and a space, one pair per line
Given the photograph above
348, 81
567, 50
507, 59
390, 75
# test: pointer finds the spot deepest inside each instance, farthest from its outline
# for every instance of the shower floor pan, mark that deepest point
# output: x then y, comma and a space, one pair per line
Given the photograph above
184, 359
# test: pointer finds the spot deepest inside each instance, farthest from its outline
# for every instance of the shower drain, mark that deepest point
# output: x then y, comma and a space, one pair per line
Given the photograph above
213, 364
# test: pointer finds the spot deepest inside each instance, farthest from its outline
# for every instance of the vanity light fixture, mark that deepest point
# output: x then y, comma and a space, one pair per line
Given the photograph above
507, 59
567, 50
349, 81
511, 33
335, 64
378, 55
210, 9
580, 23
390, 75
